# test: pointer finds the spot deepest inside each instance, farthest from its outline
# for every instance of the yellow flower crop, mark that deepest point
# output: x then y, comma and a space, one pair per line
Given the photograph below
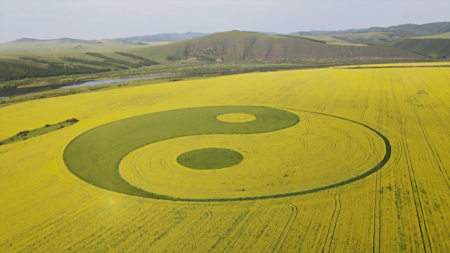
262, 203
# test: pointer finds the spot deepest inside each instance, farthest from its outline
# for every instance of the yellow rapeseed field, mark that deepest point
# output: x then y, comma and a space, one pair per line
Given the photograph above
401, 206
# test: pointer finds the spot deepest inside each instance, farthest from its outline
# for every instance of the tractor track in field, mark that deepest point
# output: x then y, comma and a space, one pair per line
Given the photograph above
156, 221
437, 159
286, 229
333, 223
376, 234
413, 182
234, 225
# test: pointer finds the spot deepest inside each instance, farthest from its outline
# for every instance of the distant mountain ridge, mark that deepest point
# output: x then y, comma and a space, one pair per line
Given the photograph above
24, 40
167, 37
71, 44
58, 40
410, 37
236, 46
407, 30
31, 58
161, 37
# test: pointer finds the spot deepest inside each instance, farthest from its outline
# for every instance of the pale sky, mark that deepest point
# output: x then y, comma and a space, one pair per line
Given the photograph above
97, 19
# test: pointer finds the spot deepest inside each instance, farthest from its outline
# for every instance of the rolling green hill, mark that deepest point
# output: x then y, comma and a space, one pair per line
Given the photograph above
27, 46
250, 46
382, 35
32, 58
436, 36
431, 47
32, 66
59, 57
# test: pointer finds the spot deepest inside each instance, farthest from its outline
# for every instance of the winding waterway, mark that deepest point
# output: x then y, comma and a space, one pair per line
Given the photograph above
105, 81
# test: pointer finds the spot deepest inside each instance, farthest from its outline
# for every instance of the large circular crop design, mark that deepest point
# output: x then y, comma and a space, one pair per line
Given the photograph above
212, 153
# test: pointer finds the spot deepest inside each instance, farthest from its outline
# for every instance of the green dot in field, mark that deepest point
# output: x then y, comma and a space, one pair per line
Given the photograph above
209, 158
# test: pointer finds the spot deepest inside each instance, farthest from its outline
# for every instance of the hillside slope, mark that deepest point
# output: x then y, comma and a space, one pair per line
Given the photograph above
435, 36
383, 35
435, 48
250, 46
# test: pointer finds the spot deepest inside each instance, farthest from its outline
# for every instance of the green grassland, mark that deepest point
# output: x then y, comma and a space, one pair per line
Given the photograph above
436, 36
432, 47
382, 35
430, 40
30, 66
237, 46
20, 67
329, 39
27, 134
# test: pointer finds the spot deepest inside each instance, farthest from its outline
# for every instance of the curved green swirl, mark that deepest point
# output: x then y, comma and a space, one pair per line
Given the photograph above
95, 155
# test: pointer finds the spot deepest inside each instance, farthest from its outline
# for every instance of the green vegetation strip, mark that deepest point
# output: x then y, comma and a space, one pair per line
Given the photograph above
27, 134
396, 67
210, 158
95, 155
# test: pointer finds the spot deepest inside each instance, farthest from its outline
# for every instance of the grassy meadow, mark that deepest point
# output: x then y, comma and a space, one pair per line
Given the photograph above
30, 66
324, 181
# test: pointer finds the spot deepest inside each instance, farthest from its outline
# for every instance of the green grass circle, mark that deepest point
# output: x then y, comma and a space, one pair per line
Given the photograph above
95, 155
209, 158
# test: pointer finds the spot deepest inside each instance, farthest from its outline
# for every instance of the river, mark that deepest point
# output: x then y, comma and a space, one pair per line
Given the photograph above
104, 81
